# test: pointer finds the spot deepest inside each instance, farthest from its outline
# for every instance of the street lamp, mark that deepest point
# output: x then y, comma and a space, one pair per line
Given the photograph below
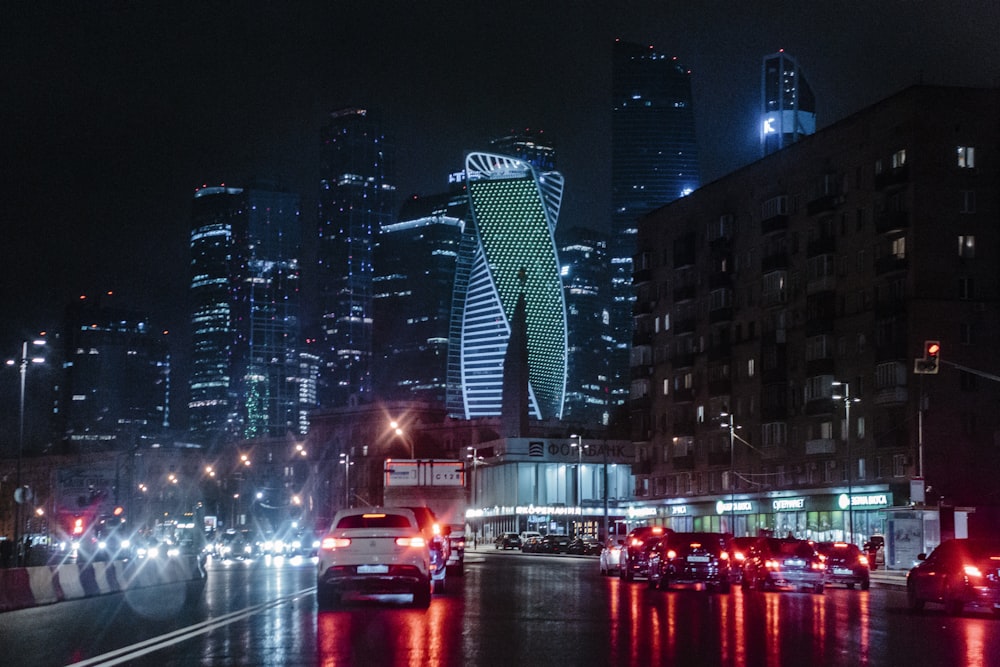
19, 495
732, 472
395, 426
579, 468
476, 461
846, 398
345, 460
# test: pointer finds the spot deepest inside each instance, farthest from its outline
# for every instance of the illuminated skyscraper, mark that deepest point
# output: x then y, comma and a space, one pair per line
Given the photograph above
513, 215
355, 201
788, 106
654, 160
116, 387
245, 365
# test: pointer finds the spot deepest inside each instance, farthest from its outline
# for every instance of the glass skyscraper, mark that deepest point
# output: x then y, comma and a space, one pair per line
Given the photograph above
654, 160
245, 364
513, 213
788, 106
356, 199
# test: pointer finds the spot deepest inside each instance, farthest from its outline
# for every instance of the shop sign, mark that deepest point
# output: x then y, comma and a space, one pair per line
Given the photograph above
676, 510
723, 507
786, 504
863, 500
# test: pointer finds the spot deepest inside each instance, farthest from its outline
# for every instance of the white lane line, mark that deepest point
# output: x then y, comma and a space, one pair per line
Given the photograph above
144, 647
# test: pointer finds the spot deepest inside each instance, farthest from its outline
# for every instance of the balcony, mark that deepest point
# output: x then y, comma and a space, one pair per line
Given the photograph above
684, 293
719, 458
642, 276
718, 315
683, 395
821, 446
820, 366
684, 326
824, 204
892, 178
776, 261
776, 223
816, 326
890, 396
683, 462
824, 246
719, 279
821, 406
642, 338
643, 307
892, 221
685, 428
720, 352
821, 284
891, 264
773, 412
685, 360
720, 387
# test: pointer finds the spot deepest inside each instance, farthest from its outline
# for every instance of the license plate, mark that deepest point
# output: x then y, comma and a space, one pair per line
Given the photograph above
795, 562
841, 570
373, 569
698, 559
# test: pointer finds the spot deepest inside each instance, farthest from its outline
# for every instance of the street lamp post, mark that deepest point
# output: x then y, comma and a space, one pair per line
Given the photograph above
846, 398
345, 460
732, 472
579, 468
19, 495
395, 426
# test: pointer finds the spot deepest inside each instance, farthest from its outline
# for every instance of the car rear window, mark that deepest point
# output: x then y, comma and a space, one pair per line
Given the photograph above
800, 549
374, 521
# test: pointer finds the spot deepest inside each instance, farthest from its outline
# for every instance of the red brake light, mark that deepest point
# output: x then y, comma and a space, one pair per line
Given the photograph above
724, 555
972, 571
671, 554
331, 543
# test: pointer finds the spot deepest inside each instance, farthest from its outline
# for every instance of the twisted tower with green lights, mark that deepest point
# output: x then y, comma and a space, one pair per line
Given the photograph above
513, 212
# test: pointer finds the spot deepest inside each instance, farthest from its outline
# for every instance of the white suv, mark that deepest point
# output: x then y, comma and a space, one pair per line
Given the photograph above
374, 551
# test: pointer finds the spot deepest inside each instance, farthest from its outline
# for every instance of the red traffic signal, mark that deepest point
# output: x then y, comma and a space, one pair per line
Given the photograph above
928, 364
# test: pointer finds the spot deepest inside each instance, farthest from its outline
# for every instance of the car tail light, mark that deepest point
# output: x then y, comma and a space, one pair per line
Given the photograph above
331, 543
671, 554
818, 565
772, 564
724, 555
740, 556
411, 542
972, 571
863, 560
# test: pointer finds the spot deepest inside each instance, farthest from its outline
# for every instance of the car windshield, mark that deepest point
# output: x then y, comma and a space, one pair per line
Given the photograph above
373, 521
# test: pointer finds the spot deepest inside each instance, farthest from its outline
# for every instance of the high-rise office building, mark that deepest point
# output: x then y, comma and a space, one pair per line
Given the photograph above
356, 199
654, 160
513, 215
532, 146
116, 383
245, 363
788, 106
583, 256
415, 265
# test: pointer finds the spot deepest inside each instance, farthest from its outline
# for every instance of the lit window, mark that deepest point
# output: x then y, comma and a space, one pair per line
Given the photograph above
899, 159
966, 157
966, 246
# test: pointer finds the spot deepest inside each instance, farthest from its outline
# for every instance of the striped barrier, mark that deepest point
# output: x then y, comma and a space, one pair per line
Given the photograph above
23, 587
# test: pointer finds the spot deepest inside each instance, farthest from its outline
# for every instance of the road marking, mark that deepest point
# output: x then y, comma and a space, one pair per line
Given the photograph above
153, 644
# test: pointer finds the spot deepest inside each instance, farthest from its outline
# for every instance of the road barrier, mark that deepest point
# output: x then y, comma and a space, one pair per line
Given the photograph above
22, 587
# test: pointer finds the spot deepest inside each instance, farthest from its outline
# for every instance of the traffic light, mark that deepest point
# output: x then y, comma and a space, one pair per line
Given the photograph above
929, 363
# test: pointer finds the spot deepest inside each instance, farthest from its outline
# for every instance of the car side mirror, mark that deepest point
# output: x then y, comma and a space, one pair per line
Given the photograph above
921, 556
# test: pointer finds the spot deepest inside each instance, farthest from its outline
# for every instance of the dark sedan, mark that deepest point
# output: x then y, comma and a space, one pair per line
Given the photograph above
845, 564
958, 573
552, 544
584, 546
784, 563
691, 558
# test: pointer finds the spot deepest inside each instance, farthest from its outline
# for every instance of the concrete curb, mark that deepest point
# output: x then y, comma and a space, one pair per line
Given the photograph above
24, 587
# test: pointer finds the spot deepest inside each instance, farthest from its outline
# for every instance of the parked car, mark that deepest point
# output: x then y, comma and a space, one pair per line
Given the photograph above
531, 544
508, 541
635, 551
374, 551
845, 564
958, 573
584, 546
784, 563
552, 544
526, 535
691, 558
611, 552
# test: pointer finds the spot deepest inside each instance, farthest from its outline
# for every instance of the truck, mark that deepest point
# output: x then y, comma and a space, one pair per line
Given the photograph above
438, 484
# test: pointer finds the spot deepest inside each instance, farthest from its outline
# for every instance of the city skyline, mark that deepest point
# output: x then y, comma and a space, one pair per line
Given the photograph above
109, 144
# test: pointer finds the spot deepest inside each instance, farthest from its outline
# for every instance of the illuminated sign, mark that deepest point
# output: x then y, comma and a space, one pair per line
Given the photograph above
784, 504
769, 126
723, 507
640, 512
863, 500
678, 509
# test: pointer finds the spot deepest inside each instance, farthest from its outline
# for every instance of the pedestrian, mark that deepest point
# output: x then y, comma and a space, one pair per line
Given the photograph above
27, 551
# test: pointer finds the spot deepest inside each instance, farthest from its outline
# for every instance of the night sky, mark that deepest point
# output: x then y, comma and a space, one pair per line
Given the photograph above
112, 113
